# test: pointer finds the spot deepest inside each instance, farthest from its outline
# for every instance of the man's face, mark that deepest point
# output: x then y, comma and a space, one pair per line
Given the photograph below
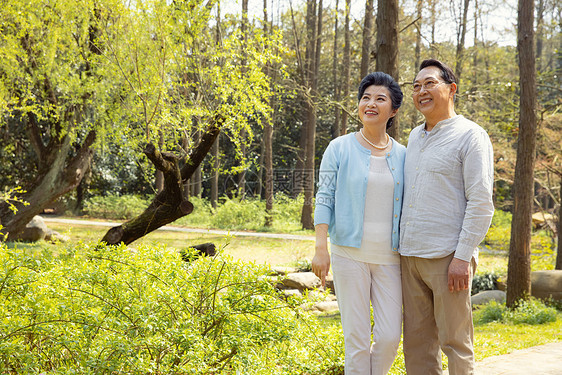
432, 96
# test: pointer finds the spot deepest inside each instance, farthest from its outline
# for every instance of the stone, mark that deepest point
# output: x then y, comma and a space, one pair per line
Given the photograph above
281, 271
35, 230
55, 237
287, 293
301, 281
326, 306
486, 296
547, 284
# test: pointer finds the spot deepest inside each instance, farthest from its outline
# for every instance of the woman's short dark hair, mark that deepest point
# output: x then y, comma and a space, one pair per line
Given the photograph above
382, 79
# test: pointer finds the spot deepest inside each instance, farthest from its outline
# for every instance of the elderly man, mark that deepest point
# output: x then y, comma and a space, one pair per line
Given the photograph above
446, 213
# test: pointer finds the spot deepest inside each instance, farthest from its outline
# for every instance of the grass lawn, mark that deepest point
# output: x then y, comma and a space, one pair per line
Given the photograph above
251, 249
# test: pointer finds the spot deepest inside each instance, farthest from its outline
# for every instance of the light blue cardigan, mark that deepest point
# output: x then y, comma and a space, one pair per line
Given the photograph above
342, 186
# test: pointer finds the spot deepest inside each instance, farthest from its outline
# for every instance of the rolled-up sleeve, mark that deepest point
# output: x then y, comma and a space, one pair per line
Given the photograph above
478, 175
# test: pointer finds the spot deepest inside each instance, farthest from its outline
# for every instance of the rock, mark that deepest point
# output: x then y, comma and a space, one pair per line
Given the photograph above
34, 231
54, 237
541, 219
547, 284
279, 270
486, 296
326, 306
301, 281
291, 293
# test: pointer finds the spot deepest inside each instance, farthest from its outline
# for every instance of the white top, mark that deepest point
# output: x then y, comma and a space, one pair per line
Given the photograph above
376, 244
448, 184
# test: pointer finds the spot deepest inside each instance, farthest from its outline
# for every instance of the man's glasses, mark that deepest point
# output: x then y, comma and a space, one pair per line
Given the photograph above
428, 85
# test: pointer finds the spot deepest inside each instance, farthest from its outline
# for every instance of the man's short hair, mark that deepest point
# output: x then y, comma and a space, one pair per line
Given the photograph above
446, 73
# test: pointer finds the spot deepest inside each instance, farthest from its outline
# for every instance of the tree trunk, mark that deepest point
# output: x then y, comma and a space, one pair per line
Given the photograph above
475, 72
367, 36
315, 29
159, 176
56, 178
268, 144
215, 149
336, 83
346, 67
519, 265
170, 204
417, 55
387, 46
215, 174
242, 174
559, 246
461, 34
540, 36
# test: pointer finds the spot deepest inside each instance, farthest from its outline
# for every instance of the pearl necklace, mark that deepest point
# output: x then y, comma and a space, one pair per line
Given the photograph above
374, 145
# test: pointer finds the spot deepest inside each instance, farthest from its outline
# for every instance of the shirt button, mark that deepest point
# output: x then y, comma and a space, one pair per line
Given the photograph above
423, 135
398, 183
412, 186
417, 168
397, 199
408, 223
392, 168
422, 150
393, 231
395, 215
394, 248
410, 205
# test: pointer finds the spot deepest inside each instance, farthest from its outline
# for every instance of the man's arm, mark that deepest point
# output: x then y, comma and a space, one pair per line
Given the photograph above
478, 176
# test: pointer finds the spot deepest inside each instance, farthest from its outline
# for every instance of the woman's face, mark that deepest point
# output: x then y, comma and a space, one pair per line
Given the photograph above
375, 106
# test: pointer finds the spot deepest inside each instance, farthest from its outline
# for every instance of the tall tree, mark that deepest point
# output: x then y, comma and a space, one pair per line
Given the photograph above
461, 35
54, 91
218, 98
315, 44
346, 67
336, 81
367, 37
244, 28
519, 265
216, 146
268, 142
387, 46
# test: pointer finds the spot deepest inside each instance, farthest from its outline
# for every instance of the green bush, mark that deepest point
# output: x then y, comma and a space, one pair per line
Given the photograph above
115, 207
484, 281
532, 311
106, 310
491, 312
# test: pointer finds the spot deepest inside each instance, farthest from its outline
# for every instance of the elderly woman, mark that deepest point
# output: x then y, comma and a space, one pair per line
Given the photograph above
358, 202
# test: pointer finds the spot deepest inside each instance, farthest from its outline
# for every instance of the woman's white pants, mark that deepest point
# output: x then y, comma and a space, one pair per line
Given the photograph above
357, 285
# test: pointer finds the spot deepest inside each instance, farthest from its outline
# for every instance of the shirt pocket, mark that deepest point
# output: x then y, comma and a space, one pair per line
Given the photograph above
444, 161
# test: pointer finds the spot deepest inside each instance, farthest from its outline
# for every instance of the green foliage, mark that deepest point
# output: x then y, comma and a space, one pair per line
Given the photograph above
532, 311
101, 310
245, 214
115, 207
499, 234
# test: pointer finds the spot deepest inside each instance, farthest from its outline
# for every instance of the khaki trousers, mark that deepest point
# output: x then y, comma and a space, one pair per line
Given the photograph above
435, 318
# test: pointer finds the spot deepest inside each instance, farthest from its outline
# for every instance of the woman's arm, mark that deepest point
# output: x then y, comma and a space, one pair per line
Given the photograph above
321, 260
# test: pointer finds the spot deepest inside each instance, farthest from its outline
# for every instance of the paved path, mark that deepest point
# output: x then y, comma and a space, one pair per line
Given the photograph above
183, 229
537, 360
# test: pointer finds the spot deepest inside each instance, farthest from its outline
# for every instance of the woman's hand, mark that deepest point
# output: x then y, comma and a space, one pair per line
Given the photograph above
321, 260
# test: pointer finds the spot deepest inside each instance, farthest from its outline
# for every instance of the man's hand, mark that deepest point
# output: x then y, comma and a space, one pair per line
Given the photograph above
458, 275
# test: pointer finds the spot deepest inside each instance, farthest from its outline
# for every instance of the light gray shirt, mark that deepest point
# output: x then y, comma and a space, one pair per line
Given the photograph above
449, 178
